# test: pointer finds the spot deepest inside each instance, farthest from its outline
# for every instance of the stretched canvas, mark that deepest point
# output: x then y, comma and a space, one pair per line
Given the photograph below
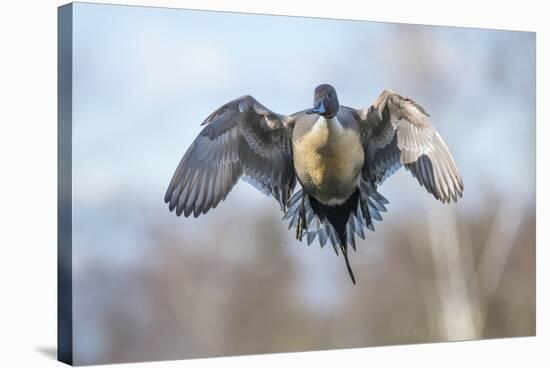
236, 184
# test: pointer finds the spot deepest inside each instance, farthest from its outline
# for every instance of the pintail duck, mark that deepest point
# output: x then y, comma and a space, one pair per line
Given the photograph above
338, 154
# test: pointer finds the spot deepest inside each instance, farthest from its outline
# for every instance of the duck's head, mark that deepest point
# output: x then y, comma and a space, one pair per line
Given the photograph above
325, 101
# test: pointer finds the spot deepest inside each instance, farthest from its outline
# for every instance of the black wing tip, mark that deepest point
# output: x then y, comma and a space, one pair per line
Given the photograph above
178, 210
449, 199
168, 195
172, 206
202, 211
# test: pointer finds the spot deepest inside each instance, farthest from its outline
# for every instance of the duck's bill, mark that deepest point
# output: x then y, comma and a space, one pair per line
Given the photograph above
319, 108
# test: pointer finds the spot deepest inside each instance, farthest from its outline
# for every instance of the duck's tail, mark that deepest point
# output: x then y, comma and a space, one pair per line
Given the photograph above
339, 223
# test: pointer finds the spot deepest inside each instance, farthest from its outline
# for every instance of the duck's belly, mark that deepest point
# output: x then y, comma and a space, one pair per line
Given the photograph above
328, 160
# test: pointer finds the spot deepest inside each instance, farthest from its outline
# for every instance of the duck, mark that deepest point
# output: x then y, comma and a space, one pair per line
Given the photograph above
339, 156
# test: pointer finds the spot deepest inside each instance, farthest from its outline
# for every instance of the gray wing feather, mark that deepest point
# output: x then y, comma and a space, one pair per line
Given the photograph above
240, 139
397, 132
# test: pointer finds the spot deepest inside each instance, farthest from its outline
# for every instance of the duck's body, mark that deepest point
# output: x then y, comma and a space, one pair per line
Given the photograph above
338, 154
328, 157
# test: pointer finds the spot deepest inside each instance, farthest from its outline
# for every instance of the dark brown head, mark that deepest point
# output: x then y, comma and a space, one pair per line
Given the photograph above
325, 101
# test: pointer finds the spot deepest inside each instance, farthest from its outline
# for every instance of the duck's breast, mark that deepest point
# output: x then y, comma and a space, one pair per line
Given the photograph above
328, 158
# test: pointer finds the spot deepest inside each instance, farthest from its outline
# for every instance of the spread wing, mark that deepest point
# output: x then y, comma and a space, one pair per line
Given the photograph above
241, 139
397, 132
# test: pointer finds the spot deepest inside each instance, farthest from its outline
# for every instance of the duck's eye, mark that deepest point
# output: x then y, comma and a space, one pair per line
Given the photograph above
330, 95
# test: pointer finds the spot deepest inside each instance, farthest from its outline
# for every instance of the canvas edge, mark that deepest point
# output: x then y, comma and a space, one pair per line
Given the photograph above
64, 184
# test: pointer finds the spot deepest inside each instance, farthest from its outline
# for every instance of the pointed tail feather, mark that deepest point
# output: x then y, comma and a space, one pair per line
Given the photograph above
350, 271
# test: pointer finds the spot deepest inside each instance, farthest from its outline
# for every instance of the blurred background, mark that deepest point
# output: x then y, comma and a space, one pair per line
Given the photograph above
151, 286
